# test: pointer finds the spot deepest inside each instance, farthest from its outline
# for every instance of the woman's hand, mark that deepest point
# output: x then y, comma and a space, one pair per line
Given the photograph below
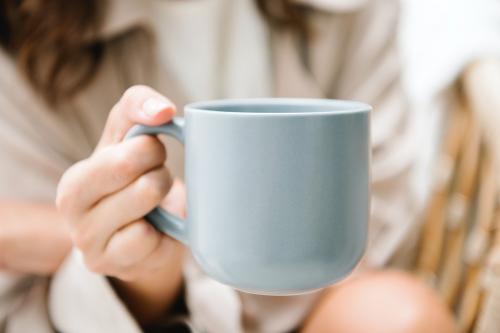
33, 239
103, 200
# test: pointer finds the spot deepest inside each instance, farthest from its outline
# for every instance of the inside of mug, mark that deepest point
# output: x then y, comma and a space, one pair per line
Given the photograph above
282, 106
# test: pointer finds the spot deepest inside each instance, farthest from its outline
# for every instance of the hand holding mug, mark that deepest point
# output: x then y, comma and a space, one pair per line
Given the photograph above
278, 191
104, 198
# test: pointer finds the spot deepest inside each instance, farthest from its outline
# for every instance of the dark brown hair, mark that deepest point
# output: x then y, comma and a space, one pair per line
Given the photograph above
54, 43
284, 14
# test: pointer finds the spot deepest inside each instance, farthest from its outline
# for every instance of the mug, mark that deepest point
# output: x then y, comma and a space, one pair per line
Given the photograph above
278, 190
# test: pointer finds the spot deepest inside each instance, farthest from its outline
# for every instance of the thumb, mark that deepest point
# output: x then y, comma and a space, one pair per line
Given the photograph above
138, 105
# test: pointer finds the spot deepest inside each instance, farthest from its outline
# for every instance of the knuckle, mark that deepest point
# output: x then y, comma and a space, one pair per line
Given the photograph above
130, 158
83, 240
152, 188
149, 190
69, 190
64, 200
124, 164
149, 149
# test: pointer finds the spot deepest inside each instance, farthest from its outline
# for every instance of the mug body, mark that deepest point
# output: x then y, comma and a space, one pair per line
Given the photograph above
278, 191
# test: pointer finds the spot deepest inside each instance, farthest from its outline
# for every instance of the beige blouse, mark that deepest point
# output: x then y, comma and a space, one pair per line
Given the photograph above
208, 49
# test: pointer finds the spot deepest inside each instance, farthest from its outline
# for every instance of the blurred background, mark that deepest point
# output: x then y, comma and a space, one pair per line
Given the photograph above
448, 56
450, 52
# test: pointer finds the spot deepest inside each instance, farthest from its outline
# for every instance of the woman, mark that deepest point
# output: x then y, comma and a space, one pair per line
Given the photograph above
66, 64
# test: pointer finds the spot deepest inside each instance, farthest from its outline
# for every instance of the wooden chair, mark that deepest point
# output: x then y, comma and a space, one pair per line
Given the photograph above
459, 250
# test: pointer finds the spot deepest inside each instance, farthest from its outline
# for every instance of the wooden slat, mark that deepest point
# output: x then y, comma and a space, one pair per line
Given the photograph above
478, 243
434, 220
458, 216
488, 318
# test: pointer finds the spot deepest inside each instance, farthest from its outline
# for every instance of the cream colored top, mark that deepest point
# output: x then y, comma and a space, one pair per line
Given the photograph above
208, 49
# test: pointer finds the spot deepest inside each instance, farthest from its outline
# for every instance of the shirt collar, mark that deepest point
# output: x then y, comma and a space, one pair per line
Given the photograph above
334, 5
123, 15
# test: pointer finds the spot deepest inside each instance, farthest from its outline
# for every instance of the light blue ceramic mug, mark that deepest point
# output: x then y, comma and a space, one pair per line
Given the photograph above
278, 190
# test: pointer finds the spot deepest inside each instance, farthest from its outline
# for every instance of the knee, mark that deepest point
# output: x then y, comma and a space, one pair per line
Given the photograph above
386, 301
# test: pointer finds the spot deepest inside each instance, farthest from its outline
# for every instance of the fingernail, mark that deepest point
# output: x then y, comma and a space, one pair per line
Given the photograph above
153, 106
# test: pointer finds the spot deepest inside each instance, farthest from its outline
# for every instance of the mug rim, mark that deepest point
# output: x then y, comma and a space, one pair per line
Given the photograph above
345, 106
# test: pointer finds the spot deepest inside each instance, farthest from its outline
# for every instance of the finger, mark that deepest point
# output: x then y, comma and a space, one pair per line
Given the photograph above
175, 201
168, 251
118, 209
108, 171
139, 104
132, 243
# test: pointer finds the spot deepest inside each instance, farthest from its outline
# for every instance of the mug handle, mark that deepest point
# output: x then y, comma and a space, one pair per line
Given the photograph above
158, 217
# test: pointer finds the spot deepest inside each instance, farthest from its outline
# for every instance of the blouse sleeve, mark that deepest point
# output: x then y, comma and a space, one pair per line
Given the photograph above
82, 302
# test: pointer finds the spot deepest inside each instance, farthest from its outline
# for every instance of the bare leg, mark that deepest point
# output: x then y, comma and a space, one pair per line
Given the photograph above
380, 302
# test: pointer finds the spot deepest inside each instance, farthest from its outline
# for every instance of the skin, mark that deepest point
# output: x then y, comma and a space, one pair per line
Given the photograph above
380, 302
38, 245
103, 200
